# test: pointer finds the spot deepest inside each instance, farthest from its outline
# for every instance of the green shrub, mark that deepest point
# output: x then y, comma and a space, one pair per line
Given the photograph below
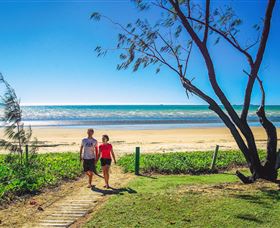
184, 162
48, 170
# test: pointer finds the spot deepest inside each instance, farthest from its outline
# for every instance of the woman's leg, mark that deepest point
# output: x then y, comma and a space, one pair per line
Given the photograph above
107, 171
104, 172
105, 176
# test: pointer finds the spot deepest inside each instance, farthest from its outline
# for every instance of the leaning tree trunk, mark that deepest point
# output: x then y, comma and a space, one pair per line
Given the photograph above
269, 170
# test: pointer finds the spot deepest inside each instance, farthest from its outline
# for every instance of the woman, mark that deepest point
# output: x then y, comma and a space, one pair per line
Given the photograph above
105, 152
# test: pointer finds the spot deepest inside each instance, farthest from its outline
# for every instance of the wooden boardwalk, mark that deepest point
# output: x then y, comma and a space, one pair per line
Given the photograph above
71, 208
68, 210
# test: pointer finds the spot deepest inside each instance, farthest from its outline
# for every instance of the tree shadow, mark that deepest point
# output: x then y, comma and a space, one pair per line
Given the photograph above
256, 199
249, 217
113, 191
271, 194
147, 176
98, 175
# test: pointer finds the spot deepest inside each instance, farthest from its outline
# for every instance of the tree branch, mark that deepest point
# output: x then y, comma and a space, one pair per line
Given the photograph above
207, 13
163, 61
244, 127
253, 44
132, 34
187, 59
153, 50
216, 108
224, 36
256, 65
261, 88
264, 37
209, 64
269, 127
173, 51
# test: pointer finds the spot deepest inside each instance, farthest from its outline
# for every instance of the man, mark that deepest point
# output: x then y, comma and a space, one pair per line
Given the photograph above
88, 154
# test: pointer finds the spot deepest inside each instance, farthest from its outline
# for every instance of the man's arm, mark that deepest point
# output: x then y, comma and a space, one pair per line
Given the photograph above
96, 153
81, 151
99, 154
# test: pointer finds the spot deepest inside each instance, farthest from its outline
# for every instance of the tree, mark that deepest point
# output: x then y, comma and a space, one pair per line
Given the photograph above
169, 42
17, 135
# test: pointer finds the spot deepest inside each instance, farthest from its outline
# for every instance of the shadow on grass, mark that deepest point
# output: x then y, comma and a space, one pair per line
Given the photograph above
256, 199
147, 176
249, 217
114, 191
97, 174
271, 194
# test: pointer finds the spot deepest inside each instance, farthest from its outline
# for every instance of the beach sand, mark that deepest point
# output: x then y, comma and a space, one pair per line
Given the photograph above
150, 141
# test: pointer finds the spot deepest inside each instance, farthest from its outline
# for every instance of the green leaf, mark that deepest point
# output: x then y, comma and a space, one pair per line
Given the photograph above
217, 41
95, 16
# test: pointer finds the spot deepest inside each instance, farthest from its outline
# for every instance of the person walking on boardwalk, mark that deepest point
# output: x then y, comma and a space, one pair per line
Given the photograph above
105, 153
88, 155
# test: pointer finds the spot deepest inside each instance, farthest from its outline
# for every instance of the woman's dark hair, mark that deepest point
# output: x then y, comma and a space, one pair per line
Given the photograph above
106, 137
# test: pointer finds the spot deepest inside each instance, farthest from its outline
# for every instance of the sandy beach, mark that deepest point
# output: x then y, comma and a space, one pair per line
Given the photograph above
150, 141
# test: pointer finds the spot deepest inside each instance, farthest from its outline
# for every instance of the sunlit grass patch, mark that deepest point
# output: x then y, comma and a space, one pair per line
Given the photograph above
217, 200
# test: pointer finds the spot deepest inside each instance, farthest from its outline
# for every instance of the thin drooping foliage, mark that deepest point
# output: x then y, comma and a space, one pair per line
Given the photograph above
16, 134
169, 41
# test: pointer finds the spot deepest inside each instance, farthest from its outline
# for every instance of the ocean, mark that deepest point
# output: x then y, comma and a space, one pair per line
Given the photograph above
133, 116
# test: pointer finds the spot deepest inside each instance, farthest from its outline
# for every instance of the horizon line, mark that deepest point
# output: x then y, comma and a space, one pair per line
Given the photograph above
108, 104
85, 104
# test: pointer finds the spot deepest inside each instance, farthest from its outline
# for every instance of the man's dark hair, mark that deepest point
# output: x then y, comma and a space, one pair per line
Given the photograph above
91, 130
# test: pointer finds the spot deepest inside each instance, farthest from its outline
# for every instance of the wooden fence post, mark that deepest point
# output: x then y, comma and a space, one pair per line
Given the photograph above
26, 154
213, 163
137, 160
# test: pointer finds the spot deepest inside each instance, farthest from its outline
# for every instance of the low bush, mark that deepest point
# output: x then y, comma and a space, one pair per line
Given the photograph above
46, 170
184, 162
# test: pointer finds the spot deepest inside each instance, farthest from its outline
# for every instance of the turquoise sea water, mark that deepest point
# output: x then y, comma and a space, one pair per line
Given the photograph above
133, 116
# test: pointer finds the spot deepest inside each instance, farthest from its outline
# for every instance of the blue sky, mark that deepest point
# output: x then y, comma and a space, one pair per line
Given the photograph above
47, 55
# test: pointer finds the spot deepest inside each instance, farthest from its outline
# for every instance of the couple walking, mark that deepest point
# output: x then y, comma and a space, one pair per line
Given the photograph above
90, 153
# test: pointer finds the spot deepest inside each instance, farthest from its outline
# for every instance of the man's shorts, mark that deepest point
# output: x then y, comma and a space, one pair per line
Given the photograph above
105, 161
88, 165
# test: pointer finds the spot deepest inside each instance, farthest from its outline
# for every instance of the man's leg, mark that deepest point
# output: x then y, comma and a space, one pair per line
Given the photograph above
94, 170
90, 174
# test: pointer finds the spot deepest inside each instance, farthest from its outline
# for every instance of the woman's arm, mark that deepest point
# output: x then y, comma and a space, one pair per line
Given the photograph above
113, 155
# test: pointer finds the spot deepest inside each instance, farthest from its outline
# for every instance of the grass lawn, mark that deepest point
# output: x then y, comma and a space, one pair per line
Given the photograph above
216, 200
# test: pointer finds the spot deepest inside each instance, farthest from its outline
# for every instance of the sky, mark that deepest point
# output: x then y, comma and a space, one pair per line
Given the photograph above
47, 55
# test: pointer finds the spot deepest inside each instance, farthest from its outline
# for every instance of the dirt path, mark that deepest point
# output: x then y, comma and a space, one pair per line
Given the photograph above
65, 205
